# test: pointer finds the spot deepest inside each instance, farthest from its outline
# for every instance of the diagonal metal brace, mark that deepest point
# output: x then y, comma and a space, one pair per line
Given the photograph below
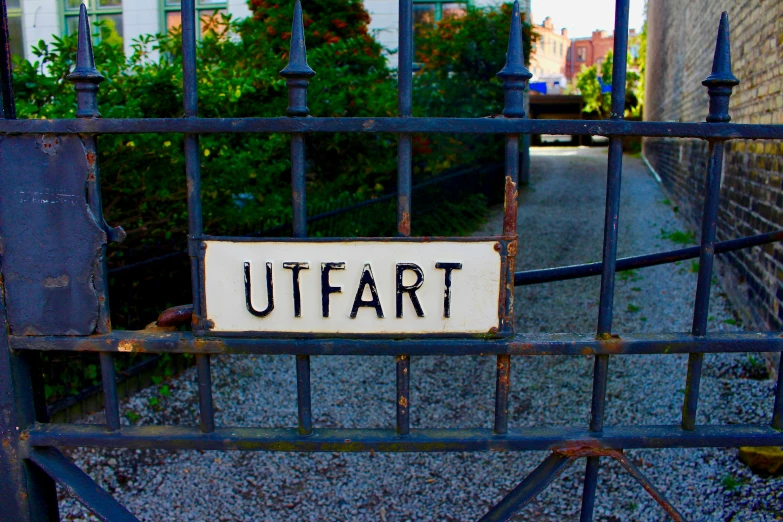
536, 482
551, 468
81, 486
648, 486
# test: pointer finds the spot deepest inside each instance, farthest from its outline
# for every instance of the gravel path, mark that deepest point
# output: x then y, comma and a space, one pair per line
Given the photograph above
560, 222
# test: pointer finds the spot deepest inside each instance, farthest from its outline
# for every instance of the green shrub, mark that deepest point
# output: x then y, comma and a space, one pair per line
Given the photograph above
246, 185
460, 59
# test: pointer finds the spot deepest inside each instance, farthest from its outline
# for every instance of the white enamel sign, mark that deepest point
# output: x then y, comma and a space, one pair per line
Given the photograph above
360, 287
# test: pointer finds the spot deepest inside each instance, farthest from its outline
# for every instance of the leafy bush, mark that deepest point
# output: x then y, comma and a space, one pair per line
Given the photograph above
460, 58
245, 177
599, 103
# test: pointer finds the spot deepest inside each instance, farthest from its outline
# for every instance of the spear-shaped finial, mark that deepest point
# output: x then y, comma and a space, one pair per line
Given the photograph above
515, 75
85, 76
297, 72
722, 81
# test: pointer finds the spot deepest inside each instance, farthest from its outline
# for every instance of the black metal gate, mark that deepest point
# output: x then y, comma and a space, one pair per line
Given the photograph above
55, 297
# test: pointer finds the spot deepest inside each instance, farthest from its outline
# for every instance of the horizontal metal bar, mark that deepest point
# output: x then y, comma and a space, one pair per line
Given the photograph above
497, 125
564, 273
387, 440
86, 491
127, 341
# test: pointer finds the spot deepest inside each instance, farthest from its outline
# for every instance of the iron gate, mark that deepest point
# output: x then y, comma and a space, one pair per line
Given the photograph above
55, 298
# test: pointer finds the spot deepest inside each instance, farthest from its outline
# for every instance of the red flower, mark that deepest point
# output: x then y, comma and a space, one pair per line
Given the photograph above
340, 24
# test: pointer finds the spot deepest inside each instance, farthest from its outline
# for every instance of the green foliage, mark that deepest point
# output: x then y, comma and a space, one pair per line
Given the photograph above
640, 63
731, 483
754, 367
629, 275
632, 308
460, 58
245, 184
679, 237
598, 103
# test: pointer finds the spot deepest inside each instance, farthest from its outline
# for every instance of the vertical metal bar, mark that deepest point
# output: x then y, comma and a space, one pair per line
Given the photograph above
515, 77
524, 158
110, 402
719, 87
403, 395
702, 303
26, 493
502, 384
298, 74
303, 392
195, 219
611, 224
404, 184
777, 412
6, 73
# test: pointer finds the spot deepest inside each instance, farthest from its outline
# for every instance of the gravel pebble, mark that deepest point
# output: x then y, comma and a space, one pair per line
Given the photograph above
560, 222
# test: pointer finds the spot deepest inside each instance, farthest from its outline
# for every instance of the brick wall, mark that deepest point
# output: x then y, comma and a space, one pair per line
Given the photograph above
681, 42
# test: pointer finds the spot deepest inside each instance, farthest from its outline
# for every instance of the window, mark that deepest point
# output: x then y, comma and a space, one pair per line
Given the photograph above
431, 11
206, 10
581, 54
15, 32
108, 12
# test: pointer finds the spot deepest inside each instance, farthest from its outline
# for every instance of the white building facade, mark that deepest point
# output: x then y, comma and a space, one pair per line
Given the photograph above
31, 21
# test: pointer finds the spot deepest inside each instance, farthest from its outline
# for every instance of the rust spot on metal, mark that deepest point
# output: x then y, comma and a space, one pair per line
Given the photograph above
56, 282
497, 247
176, 316
91, 159
510, 208
405, 224
369, 124
125, 346
49, 144
512, 249
403, 401
578, 449
493, 330
23, 436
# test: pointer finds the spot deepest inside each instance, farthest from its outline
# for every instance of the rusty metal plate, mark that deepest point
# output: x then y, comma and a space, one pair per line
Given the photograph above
379, 287
51, 243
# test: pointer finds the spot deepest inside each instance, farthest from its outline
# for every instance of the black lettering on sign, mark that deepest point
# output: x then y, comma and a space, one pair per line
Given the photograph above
374, 302
269, 292
448, 267
295, 268
326, 288
410, 290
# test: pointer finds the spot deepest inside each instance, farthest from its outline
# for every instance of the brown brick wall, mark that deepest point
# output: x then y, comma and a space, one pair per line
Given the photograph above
681, 42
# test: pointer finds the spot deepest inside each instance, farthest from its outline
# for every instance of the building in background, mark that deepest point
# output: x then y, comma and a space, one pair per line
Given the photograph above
548, 56
556, 59
589, 51
30, 21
